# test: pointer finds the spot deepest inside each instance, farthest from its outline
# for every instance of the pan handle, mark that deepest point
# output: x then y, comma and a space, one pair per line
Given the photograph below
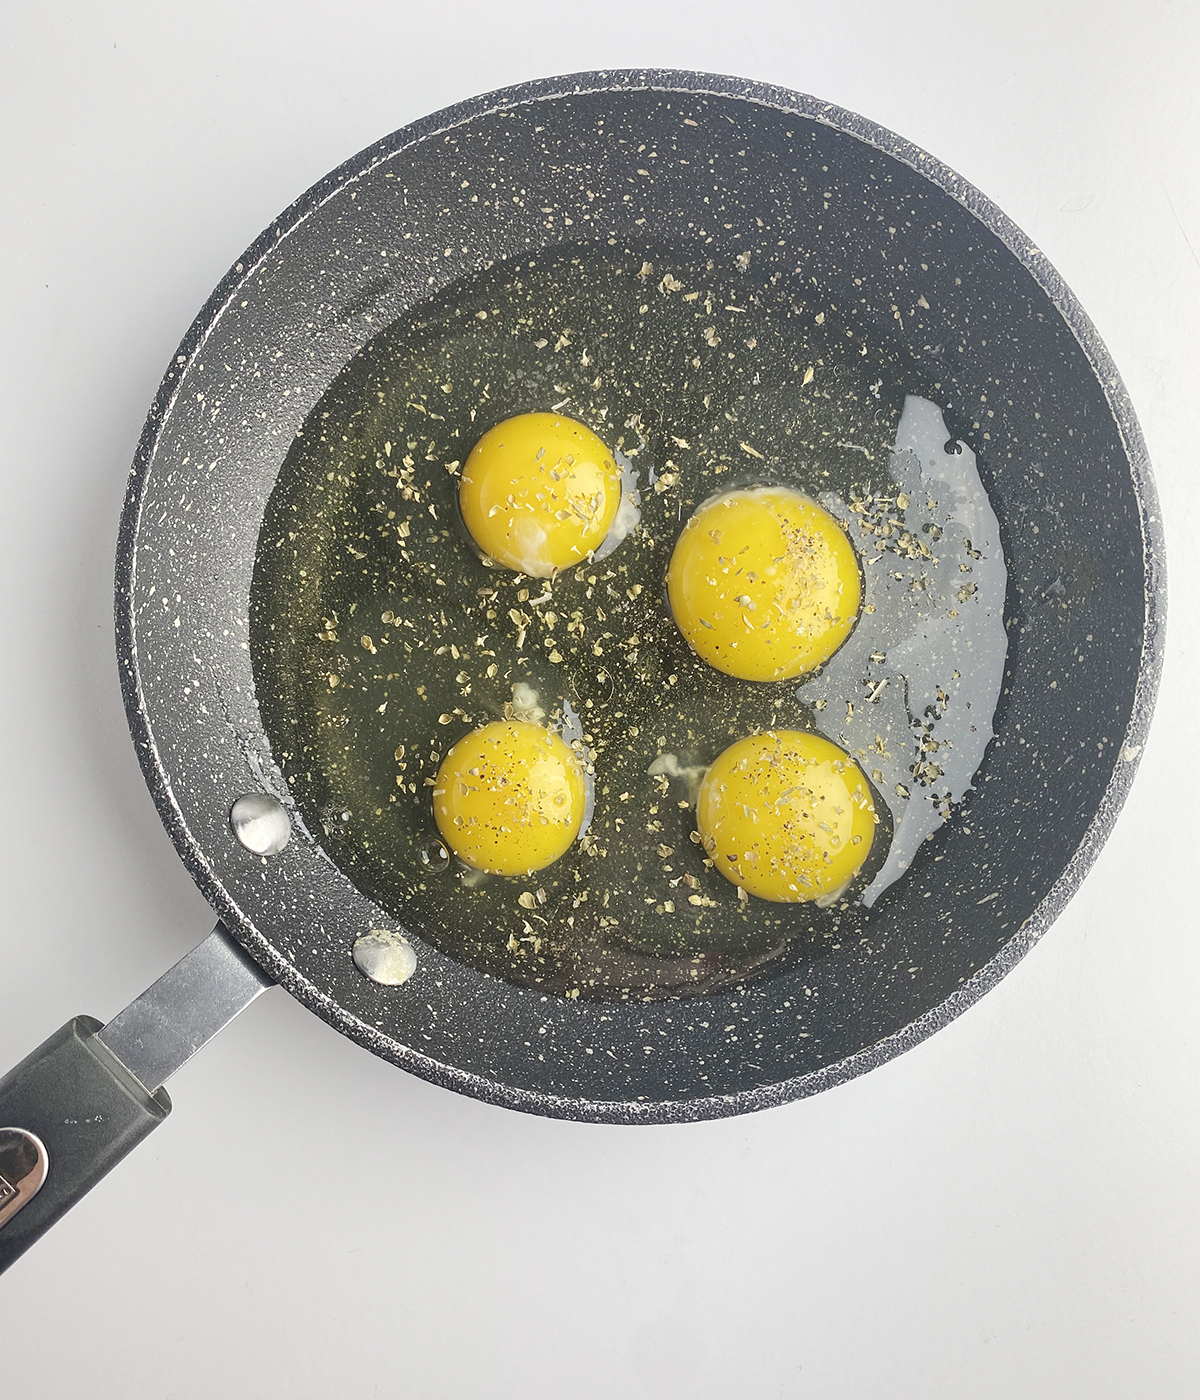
68, 1114
75, 1107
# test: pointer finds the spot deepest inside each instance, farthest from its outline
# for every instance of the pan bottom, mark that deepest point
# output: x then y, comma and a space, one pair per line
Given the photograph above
379, 636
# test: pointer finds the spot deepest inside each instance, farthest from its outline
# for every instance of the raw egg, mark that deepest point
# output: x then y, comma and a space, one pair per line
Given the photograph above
763, 583
539, 492
787, 816
509, 798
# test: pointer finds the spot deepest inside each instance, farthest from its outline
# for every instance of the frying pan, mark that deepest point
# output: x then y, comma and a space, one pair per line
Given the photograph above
903, 241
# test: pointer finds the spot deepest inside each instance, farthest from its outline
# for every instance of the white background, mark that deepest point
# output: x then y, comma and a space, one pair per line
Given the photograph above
1010, 1210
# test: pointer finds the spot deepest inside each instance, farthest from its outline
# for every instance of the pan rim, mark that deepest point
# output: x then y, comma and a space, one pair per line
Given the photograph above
1116, 396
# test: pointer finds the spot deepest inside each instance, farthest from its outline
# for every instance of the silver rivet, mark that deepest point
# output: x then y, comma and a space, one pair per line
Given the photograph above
260, 823
385, 957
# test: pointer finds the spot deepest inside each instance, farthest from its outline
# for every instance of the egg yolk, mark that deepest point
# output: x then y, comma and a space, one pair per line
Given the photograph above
539, 493
509, 798
787, 816
763, 584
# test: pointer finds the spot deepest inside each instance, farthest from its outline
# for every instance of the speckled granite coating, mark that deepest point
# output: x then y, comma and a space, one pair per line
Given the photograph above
893, 236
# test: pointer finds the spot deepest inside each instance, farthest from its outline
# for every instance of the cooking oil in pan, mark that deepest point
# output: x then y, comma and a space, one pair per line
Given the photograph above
380, 636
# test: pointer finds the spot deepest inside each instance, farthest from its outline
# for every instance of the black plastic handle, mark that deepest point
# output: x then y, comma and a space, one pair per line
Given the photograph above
75, 1096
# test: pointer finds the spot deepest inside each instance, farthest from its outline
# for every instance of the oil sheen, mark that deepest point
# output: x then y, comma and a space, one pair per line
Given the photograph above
380, 637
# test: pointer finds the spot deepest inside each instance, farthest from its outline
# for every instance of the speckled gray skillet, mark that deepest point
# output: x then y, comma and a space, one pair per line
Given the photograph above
889, 233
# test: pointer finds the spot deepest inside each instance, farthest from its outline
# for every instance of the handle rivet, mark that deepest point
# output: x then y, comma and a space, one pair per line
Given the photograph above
260, 823
385, 957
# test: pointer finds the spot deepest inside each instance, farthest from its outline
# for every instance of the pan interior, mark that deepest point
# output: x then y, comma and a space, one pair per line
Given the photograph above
380, 636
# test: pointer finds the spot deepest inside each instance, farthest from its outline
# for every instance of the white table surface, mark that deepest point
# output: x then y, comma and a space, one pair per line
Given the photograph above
1009, 1210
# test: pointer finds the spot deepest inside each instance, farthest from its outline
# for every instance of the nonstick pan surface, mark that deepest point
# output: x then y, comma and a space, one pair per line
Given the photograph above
882, 228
